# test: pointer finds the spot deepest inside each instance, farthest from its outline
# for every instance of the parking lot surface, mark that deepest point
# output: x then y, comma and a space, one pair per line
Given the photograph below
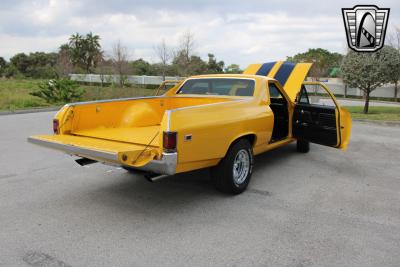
324, 208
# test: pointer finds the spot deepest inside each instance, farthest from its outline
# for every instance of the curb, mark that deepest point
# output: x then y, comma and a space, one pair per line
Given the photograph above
25, 111
384, 123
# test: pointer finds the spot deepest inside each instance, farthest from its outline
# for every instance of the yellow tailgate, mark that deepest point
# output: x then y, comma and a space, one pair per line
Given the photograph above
99, 149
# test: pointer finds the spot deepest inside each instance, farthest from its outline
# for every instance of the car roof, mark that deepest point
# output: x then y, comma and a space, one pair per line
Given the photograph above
232, 76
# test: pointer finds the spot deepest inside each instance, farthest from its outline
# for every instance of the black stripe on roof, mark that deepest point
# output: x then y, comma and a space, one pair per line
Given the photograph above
265, 68
284, 72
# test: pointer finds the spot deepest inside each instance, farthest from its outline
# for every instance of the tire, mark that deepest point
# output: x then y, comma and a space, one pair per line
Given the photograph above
223, 175
303, 146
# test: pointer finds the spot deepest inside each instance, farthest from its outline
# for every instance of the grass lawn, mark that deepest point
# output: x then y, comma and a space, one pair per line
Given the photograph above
14, 94
375, 113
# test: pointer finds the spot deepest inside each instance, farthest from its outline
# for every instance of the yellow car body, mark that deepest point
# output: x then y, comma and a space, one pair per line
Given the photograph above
130, 132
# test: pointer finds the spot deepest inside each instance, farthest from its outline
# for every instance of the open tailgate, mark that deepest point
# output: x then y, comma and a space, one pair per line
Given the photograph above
107, 151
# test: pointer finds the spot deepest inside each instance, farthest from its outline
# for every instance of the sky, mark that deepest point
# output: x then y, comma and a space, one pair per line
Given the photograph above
235, 31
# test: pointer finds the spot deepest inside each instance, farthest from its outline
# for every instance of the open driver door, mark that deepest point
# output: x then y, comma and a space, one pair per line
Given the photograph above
318, 118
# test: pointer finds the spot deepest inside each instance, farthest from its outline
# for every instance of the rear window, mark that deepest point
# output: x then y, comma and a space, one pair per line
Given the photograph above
218, 86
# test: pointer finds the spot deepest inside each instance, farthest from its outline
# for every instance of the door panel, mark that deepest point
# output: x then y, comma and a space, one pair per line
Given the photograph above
318, 118
315, 123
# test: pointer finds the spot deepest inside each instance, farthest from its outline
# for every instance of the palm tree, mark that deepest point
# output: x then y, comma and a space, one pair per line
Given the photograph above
76, 49
93, 51
85, 51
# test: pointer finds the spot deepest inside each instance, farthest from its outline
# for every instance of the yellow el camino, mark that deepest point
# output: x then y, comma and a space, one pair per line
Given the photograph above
219, 121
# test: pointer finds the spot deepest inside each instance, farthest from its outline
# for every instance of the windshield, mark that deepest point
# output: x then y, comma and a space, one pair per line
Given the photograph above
218, 86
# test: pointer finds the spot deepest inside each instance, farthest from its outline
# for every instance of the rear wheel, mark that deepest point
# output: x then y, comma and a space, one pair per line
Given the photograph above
232, 175
303, 146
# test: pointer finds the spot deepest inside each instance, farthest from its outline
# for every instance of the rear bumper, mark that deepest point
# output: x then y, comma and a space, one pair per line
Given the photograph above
165, 165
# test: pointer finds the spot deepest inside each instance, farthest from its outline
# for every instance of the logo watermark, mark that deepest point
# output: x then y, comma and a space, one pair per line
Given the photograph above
365, 27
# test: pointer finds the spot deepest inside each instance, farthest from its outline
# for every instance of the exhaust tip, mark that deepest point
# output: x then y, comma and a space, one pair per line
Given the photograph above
85, 161
153, 177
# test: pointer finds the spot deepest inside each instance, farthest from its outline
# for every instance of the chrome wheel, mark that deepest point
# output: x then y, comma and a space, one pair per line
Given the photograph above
241, 166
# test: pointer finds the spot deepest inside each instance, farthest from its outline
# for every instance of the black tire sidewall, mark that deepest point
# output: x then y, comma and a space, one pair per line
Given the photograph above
303, 146
229, 184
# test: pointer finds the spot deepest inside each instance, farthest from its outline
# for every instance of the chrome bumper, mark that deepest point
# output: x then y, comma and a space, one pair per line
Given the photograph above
165, 165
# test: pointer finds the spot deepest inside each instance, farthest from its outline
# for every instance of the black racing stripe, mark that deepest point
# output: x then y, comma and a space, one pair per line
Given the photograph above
284, 71
265, 68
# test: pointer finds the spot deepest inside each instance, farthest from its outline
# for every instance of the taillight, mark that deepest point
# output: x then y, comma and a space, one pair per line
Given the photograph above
56, 126
169, 141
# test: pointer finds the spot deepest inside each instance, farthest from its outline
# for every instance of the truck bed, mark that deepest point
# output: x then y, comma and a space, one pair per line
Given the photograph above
133, 135
117, 131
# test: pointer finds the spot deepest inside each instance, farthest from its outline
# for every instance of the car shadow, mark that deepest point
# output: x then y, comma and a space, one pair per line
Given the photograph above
275, 156
133, 192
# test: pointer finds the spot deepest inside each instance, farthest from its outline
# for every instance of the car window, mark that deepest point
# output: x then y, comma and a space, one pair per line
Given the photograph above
303, 96
317, 95
274, 91
218, 86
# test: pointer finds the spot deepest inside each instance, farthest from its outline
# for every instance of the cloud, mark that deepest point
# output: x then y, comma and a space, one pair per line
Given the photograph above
16, 44
235, 31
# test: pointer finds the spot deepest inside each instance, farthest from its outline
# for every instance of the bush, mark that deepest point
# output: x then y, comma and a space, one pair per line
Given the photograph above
59, 91
11, 71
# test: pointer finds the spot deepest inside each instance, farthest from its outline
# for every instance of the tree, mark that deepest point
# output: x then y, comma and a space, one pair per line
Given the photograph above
197, 66
213, 66
35, 65
76, 49
394, 41
394, 38
64, 64
21, 62
142, 67
104, 69
3, 64
233, 68
366, 71
93, 51
11, 71
41, 65
85, 51
119, 59
164, 55
323, 61
185, 52
393, 67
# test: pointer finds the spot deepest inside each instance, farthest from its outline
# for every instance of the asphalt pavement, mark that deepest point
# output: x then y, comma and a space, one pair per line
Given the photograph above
324, 208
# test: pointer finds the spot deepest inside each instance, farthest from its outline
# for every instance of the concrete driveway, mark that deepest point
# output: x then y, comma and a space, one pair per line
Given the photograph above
324, 208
